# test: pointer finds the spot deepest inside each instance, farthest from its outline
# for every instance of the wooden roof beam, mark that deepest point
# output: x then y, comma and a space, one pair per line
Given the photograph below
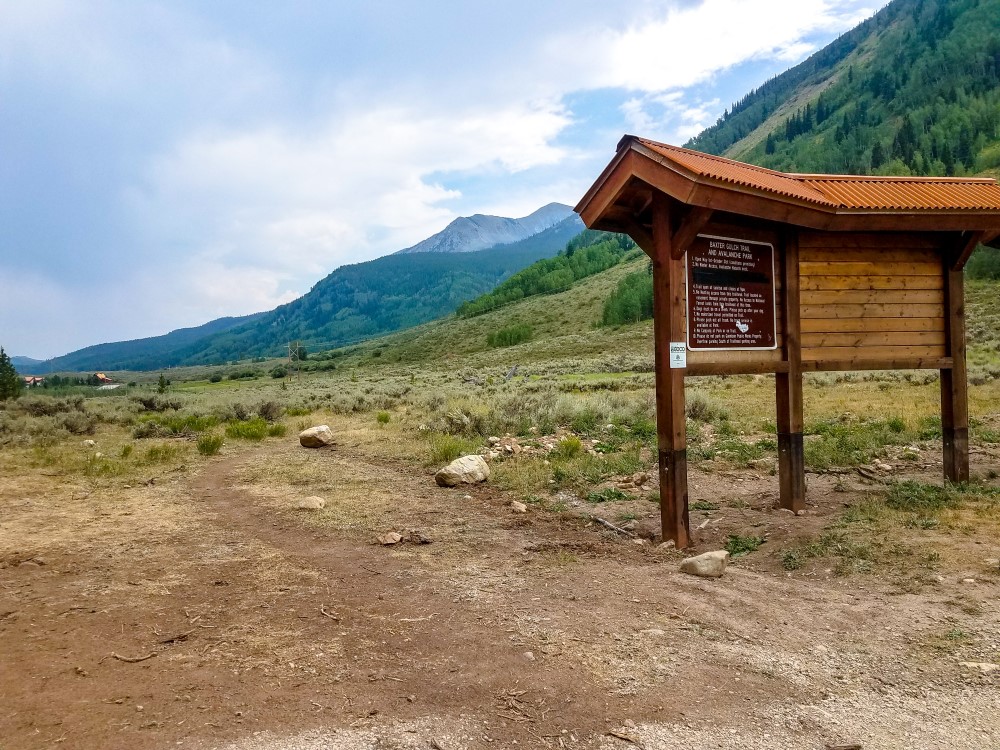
691, 225
964, 247
643, 237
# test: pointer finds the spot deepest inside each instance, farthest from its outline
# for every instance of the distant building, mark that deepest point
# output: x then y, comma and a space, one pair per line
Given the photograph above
30, 381
102, 378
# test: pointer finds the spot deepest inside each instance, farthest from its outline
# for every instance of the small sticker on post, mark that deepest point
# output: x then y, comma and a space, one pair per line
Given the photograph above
678, 355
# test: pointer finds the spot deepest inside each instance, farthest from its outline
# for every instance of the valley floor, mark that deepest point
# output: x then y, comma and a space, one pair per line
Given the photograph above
197, 609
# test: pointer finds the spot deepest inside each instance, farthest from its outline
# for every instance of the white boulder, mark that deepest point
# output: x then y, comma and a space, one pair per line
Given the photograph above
465, 470
316, 437
311, 503
707, 565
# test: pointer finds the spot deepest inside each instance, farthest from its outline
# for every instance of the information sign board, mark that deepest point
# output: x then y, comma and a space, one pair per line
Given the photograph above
730, 294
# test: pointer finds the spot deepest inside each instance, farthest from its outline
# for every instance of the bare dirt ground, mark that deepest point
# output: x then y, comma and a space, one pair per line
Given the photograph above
201, 611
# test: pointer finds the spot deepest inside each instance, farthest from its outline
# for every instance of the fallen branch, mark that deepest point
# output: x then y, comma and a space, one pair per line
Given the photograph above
609, 525
177, 638
133, 659
322, 611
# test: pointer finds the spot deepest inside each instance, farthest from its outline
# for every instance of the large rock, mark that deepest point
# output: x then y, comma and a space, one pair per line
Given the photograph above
311, 503
464, 470
316, 437
708, 565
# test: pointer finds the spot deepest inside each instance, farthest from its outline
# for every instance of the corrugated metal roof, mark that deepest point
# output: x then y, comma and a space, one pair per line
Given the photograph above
849, 192
914, 194
737, 173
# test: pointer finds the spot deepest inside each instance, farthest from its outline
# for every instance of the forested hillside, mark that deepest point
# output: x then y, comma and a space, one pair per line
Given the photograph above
382, 295
914, 90
134, 355
588, 253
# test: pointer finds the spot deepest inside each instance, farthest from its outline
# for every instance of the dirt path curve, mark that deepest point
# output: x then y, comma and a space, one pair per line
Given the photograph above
204, 612
411, 647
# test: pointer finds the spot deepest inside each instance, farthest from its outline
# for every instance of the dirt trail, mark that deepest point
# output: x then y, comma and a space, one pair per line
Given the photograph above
528, 628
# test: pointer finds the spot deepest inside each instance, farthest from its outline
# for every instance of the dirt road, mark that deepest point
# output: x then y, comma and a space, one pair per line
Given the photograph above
205, 613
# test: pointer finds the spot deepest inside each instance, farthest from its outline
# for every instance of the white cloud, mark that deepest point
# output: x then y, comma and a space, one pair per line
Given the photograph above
250, 161
682, 46
301, 203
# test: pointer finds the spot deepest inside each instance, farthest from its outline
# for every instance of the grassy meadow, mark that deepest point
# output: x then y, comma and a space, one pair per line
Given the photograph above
579, 398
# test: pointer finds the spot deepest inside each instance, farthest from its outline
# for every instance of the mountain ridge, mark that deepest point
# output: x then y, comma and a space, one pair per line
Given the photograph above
352, 303
481, 231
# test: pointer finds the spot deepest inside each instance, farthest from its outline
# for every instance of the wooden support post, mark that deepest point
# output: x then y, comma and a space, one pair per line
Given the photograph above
954, 381
668, 326
788, 390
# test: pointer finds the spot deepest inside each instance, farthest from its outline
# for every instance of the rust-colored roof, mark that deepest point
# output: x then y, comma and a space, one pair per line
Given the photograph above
908, 193
837, 192
736, 173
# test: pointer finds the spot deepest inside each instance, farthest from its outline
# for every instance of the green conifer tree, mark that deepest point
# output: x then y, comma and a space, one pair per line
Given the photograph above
10, 382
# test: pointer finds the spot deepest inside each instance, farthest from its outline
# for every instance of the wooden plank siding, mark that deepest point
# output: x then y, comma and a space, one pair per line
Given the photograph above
871, 298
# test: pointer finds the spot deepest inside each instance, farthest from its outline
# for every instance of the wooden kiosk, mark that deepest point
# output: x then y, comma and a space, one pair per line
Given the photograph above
757, 271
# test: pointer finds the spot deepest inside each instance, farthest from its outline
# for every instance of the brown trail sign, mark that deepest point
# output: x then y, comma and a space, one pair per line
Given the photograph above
757, 271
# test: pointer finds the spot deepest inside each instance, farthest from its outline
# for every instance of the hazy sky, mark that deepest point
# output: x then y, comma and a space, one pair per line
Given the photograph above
166, 163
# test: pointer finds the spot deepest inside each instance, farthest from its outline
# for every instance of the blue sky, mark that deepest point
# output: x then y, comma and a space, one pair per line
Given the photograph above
166, 163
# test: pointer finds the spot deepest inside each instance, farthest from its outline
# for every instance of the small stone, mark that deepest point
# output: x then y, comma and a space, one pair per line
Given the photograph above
785, 511
492, 440
98, 455
518, 507
415, 536
640, 542
667, 546
89, 443
311, 503
466, 497
640, 479
707, 565
316, 437
982, 666
389, 539
529, 656
968, 580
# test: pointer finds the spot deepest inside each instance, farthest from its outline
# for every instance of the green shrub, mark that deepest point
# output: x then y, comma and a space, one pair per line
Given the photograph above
910, 495
985, 261
382, 417
843, 443
516, 334
161, 453
250, 429
216, 378
270, 410
738, 545
608, 494
279, 372
631, 301
701, 408
569, 447
209, 444
446, 448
